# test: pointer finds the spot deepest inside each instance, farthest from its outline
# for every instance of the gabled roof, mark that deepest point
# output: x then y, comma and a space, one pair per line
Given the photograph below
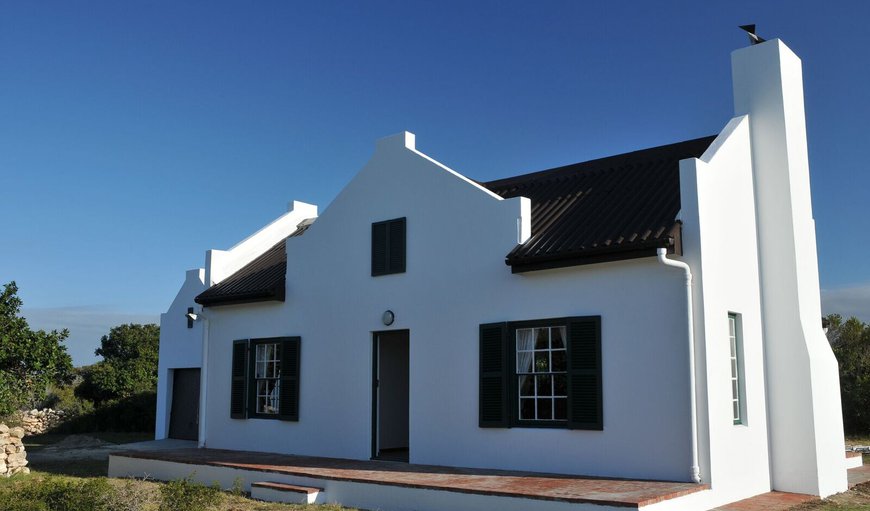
613, 208
263, 279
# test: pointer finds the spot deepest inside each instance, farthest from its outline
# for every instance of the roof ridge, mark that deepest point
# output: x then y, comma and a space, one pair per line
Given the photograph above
596, 164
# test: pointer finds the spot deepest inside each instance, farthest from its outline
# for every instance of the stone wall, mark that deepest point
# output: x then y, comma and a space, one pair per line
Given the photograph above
36, 422
13, 457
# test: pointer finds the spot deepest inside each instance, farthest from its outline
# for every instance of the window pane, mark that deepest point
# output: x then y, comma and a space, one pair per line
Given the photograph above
545, 409
560, 385
527, 409
274, 394
560, 361
545, 385
542, 362
561, 409
524, 361
525, 339
542, 340
734, 389
261, 353
558, 336
527, 386
736, 410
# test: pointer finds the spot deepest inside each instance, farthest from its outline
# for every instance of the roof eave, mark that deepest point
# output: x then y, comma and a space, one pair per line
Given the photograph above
672, 242
276, 294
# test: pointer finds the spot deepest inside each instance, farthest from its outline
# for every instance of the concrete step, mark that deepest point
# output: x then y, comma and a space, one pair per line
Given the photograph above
854, 459
282, 492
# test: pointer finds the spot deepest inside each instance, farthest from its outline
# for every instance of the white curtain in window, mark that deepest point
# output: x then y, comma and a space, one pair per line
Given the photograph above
525, 345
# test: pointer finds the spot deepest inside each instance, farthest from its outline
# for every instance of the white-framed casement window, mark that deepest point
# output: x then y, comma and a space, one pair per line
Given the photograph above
542, 374
738, 382
267, 378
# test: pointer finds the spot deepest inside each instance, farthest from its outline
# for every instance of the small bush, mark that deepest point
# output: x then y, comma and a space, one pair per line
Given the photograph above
238, 489
65, 495
17, 502
64, 398
188, 495
130, 496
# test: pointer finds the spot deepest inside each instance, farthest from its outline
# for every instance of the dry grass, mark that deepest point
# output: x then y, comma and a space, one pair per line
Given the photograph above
143, 495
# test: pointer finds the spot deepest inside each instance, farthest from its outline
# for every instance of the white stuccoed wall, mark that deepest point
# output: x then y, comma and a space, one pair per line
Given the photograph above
181, 347
458, 236
806, 428
719, 238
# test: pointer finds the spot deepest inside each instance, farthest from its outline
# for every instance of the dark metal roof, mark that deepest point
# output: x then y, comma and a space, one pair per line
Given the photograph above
263, 279
613, 208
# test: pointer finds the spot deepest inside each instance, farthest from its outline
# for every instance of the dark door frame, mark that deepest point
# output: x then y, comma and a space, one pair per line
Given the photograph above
375, 382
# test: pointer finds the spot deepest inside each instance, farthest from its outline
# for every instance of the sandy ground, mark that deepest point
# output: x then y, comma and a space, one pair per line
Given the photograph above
84, 447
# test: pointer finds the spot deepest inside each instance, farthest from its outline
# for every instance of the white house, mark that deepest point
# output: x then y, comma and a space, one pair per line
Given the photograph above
651, 315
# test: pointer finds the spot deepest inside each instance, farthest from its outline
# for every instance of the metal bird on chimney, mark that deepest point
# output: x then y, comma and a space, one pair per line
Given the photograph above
753, 37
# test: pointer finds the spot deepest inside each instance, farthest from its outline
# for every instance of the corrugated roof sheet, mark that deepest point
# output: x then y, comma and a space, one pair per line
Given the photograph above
612, 208
263, 279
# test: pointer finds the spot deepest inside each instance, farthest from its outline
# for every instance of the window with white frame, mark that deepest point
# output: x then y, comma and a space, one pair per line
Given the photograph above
267, 378
735, 342
542, 374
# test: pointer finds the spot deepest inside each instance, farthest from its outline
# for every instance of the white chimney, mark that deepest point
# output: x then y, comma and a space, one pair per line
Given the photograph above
803, 389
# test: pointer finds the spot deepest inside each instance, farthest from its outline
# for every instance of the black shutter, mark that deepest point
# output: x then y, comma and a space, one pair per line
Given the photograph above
494, 376
388, 247
396, 251
238, 388
379, 248
584, 369
288, 403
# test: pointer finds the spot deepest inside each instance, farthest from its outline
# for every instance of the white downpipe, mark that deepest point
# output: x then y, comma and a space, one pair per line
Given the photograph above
690, 325
203, 380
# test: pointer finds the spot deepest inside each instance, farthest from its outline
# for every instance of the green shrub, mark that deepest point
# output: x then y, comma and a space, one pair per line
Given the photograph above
68, 495
129, 364
16, 502
64, 398
188, 495
134, 413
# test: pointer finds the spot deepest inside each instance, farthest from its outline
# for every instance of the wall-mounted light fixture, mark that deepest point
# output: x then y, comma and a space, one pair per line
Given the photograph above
388, 317
192, 316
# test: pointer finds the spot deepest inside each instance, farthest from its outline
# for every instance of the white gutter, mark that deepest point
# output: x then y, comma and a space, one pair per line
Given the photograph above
690, 326
203, 379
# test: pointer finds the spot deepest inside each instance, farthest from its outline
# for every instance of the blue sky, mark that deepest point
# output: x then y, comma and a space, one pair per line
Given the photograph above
136, 135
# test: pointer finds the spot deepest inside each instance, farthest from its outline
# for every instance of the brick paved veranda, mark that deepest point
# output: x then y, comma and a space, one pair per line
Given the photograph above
530, 485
